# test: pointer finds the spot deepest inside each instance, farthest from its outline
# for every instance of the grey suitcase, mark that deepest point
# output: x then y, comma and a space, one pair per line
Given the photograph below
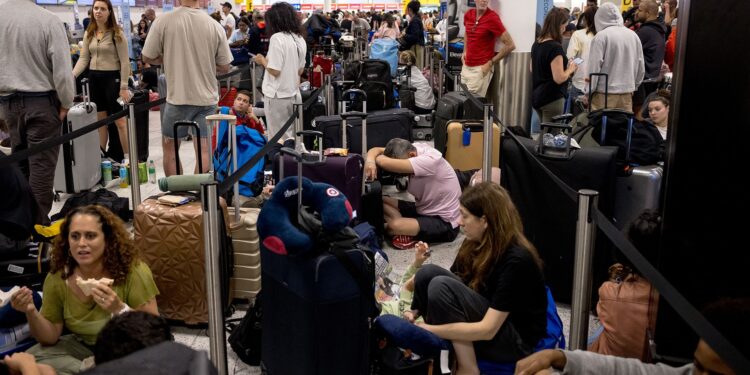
637, 192
78, 164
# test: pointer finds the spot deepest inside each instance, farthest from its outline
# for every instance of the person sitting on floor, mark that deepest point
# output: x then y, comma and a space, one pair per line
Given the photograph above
93, 244
424, 98
492, 302
729, 316
243, 109
434, 216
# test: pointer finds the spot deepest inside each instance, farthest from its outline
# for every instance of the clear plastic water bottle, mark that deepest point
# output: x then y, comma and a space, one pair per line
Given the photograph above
124, 174
122, 102
151, 172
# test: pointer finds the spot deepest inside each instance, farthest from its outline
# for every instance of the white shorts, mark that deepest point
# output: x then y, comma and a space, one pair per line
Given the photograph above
475, 81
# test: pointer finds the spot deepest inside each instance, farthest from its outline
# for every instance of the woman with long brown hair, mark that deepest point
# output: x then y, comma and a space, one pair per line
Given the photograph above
492, 302
105, 55
548, 67
93, 244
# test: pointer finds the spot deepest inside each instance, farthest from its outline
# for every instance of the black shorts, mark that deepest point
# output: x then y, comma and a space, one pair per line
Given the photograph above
431, 228
104, 86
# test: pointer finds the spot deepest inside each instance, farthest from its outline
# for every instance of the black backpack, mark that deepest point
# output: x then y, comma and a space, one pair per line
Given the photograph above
374, 78
245, 337
646, 145
102, 197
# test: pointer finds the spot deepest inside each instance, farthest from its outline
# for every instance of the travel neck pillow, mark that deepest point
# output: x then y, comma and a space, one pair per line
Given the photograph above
277, 221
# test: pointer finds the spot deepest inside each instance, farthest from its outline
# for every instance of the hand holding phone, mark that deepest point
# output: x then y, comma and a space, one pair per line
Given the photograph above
578, 61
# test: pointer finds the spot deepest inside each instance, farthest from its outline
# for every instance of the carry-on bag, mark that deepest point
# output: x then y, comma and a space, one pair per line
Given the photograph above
322, 66
170, 240
346, 173
385, 49
453, 106
548, 215
465, 144
79, 164
374, 78
317, 281
141, 126
382, 127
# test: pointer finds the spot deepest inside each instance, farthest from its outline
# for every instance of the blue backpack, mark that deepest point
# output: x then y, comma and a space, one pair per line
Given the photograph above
555, 337
249, 142
386, 49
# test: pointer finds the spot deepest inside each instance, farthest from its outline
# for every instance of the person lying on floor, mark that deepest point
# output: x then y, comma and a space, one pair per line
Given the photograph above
492, 303
434, 215
729, 316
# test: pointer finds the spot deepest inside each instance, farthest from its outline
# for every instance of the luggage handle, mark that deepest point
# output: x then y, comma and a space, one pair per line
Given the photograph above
86, 95
298, 157
606, 87
353, 93
191, 124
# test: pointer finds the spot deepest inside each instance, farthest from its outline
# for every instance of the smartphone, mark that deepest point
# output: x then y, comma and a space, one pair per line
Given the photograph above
252, 55
578, 61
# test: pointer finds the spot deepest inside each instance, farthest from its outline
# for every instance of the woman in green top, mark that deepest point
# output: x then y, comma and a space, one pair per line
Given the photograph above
93, 243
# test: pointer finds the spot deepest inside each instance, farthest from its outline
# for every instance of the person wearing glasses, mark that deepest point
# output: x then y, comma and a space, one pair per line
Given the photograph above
483, 28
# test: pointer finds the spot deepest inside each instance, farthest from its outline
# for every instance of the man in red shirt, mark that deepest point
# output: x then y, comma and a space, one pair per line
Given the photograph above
483, 27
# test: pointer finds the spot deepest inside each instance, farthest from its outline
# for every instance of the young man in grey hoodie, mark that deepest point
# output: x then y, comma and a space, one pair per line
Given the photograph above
616, 51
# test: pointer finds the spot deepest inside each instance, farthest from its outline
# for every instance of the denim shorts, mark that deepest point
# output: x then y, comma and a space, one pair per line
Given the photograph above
196, 113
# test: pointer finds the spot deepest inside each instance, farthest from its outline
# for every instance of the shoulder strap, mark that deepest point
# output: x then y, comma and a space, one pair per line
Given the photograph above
365, 287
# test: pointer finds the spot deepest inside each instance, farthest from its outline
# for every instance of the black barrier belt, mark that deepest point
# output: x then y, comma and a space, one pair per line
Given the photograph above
680, 304
228, 182
25, 154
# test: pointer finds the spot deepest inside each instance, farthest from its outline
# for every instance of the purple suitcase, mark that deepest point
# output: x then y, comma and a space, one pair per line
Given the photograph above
346, 173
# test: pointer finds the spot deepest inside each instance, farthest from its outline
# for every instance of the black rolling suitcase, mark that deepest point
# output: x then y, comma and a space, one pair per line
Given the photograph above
453, 106
141, 127
548, 215
382, 126
317, 306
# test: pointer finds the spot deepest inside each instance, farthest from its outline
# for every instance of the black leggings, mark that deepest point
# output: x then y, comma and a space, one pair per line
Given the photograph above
442, 298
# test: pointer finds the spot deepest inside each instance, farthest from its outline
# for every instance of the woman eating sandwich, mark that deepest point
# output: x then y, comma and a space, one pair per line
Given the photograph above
94, 274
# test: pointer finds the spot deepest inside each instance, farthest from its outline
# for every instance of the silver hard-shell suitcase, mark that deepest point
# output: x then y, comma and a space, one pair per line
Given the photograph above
78, 164
637, 192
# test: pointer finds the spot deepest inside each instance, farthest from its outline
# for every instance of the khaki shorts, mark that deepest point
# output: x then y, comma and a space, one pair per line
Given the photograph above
475, 81
614, 101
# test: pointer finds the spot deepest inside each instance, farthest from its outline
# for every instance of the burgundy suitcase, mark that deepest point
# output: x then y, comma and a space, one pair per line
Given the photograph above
346, 173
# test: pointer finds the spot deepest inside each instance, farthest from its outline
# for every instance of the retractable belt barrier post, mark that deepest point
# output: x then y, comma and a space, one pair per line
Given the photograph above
584, 256
211, 231
488, 137
135, 182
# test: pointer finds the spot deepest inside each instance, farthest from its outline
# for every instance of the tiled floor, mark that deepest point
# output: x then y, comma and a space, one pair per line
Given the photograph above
443, 254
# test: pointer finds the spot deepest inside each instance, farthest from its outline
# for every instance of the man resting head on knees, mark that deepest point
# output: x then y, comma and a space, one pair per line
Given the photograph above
434, 216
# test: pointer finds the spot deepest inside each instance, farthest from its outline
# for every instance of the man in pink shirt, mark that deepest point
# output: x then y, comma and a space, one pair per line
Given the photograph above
434, 215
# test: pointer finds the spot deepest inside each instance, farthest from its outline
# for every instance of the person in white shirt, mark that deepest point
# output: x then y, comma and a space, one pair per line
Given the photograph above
579, 45
239, 36
227, 18
424, 98
283, 66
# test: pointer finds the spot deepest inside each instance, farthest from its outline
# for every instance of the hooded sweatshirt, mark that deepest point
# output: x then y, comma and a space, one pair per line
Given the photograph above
653, 35
615, 50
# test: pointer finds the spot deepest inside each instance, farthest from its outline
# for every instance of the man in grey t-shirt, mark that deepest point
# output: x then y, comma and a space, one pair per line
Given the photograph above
192, 48
36, 89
